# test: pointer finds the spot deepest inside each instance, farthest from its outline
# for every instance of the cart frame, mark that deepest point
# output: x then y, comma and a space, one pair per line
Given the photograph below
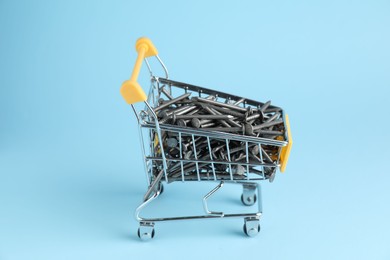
156, 162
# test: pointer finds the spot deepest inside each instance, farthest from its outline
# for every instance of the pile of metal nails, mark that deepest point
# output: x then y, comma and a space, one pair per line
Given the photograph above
207, 113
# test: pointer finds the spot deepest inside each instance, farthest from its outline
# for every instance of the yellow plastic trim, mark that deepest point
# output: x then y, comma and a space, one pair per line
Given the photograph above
131, 91
285, 153
150, 49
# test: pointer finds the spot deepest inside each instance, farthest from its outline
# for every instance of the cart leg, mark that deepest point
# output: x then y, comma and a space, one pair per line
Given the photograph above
221, 214
146, 230
155, 186
251, 226
160, 188
248, 196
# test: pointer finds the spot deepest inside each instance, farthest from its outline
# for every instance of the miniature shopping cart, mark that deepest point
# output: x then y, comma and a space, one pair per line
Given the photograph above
171, 153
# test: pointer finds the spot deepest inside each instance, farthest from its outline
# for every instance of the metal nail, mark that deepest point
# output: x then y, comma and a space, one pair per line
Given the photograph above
206, 125
209, 110
255, 150
227, 111
274, 109
181, 122
219, 104
175, 117
172, 142
265, 106
178, 111
240, 157
231, 122
254, 116
166, 93
238, 169
188, 154
267, 124
250, 129
195, 122
195, 111
216, 117
239, 101
172, 101
266, 156
272, 118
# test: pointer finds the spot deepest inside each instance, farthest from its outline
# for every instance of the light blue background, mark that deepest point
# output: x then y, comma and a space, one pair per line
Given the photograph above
70, 163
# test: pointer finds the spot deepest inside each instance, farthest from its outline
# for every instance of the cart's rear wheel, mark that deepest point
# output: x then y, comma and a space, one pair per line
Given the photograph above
146, 232
248, 200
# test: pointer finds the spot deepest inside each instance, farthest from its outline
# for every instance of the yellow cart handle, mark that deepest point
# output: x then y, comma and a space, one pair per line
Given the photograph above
285, 153
131, 91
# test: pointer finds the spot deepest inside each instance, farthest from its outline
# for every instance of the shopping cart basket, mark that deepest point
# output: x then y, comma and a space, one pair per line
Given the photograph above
171, 152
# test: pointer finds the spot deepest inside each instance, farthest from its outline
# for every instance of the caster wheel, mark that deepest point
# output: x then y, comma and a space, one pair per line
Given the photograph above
248, 200
251, 229
146, 232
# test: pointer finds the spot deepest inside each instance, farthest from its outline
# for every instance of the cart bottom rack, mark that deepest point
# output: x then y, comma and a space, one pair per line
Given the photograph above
251, 195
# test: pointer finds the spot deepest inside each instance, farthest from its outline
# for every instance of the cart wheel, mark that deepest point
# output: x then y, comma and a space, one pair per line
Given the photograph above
146, 232
248, 200
251, 228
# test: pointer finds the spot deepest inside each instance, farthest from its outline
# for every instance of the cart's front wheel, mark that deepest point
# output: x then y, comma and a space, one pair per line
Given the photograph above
251, 227
146, 231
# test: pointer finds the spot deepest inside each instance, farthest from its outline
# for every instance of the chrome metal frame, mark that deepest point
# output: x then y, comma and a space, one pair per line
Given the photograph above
158, 161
